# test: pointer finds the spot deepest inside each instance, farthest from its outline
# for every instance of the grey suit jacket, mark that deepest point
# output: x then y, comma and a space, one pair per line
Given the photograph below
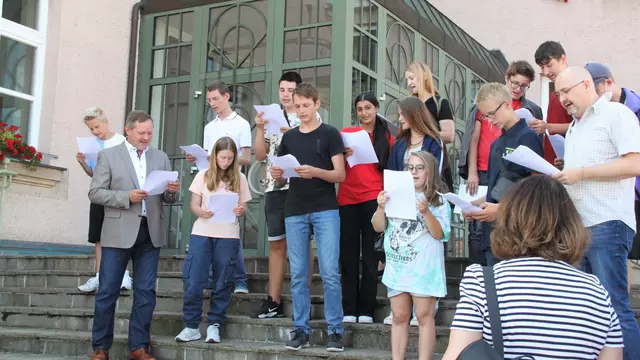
113, 178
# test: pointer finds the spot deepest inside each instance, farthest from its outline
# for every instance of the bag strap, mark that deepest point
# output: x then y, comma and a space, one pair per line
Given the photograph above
286, 117
494, 309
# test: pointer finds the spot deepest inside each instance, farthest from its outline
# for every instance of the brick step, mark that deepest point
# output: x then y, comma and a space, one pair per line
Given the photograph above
167, 280
254, 264
78, 343
276, 331
171, 301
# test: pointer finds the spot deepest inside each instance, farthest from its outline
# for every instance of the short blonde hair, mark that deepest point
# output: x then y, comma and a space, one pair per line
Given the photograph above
492, 91
94, 113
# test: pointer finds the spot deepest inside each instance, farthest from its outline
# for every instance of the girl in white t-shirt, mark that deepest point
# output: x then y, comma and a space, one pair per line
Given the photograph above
414, 250
214, 239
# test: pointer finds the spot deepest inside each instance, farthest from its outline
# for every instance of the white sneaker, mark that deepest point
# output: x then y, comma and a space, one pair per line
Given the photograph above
349, 320
388, 320
414, 322
127, 282
213, 333
365, 320
241, 290
188, 334
90, 286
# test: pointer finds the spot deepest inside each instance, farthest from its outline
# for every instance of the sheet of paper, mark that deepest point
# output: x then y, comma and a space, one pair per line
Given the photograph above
528, 158
201, 156
288, 163
402, 194
525, 114
363, 152
222, 205
557, 142
156, 182
275, 117
89, 147
460, 202
462, 194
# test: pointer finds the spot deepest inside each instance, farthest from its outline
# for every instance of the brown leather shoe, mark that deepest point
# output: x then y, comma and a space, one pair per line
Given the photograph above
141, 354
100, 355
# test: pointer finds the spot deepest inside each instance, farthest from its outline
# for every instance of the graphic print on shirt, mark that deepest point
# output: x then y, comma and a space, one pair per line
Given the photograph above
403, 233
507, 151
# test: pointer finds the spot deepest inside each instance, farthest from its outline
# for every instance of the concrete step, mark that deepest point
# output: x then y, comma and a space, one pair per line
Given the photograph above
254, 264
171, 301
7, 356
357, 336
167, 280
78, 343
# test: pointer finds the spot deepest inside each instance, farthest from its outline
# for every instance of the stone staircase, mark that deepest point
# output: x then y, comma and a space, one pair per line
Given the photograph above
43, 313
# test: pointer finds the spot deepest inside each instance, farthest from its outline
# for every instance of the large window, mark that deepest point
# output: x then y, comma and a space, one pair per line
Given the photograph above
22, 39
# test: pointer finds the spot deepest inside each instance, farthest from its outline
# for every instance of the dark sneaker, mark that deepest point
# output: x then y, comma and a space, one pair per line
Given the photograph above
269, 309
298, 340
335, 343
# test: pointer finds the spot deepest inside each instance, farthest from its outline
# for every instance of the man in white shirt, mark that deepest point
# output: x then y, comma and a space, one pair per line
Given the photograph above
602, 158
228, 123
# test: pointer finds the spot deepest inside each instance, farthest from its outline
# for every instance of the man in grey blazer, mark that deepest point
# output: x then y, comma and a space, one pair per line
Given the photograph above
133, 229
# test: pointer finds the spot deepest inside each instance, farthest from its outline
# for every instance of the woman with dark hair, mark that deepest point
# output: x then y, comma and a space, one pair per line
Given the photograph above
548, 309
357, 196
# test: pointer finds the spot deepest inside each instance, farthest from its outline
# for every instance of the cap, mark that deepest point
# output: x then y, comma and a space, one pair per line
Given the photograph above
598, 72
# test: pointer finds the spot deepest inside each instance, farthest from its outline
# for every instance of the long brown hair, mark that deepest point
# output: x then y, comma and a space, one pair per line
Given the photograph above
419, 117
231, 176
538, 218
434, 184
421, 71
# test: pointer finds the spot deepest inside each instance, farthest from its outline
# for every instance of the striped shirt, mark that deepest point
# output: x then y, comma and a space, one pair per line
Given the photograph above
549, 310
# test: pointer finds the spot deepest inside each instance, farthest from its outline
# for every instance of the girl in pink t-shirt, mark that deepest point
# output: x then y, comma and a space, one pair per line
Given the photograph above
218, 196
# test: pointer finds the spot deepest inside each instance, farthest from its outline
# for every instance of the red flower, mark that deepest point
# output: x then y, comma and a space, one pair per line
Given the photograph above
15, 152
10, 141
1, 156
32, 149
18, 136
13, 128
3, 124
22, 148
39, 156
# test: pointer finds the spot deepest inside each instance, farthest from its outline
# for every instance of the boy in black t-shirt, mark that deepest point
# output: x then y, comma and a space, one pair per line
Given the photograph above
495, 104
311, 201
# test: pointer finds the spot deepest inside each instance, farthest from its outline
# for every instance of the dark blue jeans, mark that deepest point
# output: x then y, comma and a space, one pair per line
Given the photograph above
606, 258
240, 278
145, 272
204, 253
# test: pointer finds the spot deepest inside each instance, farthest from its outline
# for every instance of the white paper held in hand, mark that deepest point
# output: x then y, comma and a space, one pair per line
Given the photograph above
156, 182
222, 205
458, 201
288, 163
525, 114
557, 142
402, 194
89, 147
360, 143
275, 117
526, 157
464, 195
199, 153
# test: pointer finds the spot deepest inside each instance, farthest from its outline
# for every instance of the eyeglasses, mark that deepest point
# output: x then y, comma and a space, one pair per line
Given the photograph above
491, 114
418, 168
516, 85
565, 91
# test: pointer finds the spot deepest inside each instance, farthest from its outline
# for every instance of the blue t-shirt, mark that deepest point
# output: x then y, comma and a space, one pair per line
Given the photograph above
519, 134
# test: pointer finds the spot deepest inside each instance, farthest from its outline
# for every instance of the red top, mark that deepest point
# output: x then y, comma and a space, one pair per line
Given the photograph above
488, 133
362, 182
556, 114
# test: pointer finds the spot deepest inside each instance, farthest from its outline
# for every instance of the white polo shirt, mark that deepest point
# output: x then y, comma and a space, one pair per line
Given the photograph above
607, 131
233, 126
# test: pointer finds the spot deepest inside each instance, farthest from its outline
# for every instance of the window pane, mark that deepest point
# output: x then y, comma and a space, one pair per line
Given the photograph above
185, 60
174, 29
169, 116
15, 111
308, 44
326, 11
373, 55
366, 4
292, 15
309, 12
24, 12
357, 8
160, 31
308, 75
324, 42
172, 62
373, 27
158, 64
291, 48
187, 27
16, 69
357, 37
155, 110
323, 80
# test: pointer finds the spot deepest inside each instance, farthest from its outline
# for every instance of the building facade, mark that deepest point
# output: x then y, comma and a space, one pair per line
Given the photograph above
177, 48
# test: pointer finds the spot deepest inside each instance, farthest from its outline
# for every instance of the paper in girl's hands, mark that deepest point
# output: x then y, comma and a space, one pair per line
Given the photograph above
402, 195
199, 153
222, 205
156, 182
275, 117
288, 163
459, 202
363, 152
89, 147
